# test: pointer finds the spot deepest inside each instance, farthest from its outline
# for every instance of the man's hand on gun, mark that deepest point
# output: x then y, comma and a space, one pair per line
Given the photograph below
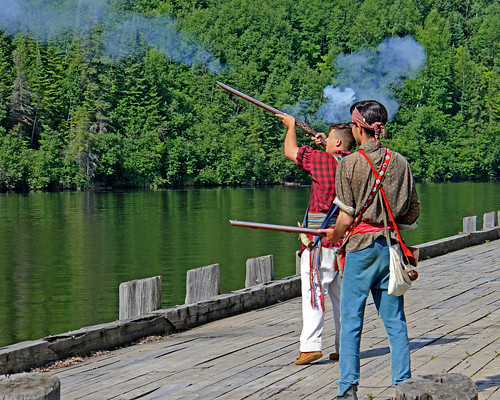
344, 221
289, 121
330, 235
319, 139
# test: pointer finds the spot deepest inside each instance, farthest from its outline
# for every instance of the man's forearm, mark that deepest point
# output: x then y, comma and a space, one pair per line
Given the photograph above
343, 223
290, 145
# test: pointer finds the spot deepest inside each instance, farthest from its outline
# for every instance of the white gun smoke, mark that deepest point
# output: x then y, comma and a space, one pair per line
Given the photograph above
122, 31
369, 74
372, 75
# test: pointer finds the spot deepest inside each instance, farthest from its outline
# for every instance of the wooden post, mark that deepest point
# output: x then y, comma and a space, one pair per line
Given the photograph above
489, 220
34, 386
259, 270
202, 283
437, 386
139, 297
470, 224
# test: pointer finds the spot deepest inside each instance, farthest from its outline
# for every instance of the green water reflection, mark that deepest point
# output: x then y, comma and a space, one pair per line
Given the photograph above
63, 255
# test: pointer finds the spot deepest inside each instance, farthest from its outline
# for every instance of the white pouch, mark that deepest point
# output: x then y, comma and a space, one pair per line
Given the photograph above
399, 281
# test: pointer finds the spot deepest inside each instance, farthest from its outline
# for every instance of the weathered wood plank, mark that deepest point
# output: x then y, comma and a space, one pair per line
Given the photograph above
139, 297
259, 270
116, 376
489, 220
470, 224
484, 356
202, 283
452, 309
234, 362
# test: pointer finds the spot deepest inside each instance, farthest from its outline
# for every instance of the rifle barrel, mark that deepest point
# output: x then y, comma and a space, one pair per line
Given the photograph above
272, 227
249, 98
301, 124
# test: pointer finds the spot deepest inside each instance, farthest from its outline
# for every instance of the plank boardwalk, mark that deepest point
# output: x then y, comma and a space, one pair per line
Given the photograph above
453, 314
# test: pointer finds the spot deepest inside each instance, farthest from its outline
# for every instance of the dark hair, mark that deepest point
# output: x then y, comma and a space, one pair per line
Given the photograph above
340, 125
372, 111
344, 132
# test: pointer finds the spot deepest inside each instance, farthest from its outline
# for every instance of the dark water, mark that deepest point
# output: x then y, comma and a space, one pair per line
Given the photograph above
63, 255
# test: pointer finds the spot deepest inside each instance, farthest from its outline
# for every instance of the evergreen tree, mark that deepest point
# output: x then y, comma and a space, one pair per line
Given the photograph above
6, 77
73, 113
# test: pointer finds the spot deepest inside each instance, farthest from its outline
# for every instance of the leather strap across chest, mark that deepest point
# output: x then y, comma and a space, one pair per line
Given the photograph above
379, 177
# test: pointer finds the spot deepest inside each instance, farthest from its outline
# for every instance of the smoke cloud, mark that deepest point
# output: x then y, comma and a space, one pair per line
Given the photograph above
122, 31
371, 75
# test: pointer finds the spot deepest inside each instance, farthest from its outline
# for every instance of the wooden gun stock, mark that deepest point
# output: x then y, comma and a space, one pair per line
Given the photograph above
301, 124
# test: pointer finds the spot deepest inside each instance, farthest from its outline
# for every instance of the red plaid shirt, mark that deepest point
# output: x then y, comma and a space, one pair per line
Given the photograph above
322, 168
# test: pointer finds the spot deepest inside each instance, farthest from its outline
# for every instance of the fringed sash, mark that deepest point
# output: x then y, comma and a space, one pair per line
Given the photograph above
317, 220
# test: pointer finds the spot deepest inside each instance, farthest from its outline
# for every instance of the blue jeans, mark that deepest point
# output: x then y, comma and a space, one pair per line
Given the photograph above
368, 270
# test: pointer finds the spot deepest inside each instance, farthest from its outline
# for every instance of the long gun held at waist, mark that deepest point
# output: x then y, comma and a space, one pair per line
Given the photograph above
272, 227
301, 124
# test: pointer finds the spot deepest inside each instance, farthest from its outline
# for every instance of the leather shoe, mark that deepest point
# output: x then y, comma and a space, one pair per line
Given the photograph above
334, 356
350, 394
308, 357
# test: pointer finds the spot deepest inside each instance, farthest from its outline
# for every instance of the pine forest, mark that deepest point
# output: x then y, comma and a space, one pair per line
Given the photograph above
122, 93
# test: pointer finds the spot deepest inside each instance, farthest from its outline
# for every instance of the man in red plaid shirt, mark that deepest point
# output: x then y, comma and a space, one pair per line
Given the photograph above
318, 276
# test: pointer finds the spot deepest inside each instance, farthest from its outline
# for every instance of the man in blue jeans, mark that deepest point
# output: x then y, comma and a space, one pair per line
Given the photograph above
367, 254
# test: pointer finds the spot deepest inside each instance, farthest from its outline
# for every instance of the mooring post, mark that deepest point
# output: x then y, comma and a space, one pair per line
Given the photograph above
202, 283
259, 270
30, 386
437, 386
470, 224
489, 220
139, 297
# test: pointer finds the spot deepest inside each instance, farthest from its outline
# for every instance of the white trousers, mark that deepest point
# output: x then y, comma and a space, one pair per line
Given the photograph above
313, 319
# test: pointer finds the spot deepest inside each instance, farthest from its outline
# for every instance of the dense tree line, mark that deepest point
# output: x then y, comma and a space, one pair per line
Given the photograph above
72, 116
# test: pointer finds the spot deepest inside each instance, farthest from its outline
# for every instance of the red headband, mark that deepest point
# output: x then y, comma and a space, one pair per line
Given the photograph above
377, 127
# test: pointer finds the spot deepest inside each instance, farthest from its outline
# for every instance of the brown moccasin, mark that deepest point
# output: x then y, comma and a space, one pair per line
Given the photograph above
334, 356
308, 357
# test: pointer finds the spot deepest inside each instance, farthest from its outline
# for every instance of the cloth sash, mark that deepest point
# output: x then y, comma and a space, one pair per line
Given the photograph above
318, 220
366, 227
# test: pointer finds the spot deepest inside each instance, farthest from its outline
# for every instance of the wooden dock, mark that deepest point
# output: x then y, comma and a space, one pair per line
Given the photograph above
453, 313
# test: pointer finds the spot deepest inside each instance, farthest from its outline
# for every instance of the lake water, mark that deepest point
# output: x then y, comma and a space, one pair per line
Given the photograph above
64, 255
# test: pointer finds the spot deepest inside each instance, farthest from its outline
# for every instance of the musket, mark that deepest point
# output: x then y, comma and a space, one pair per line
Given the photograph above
272, 227
305, 126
